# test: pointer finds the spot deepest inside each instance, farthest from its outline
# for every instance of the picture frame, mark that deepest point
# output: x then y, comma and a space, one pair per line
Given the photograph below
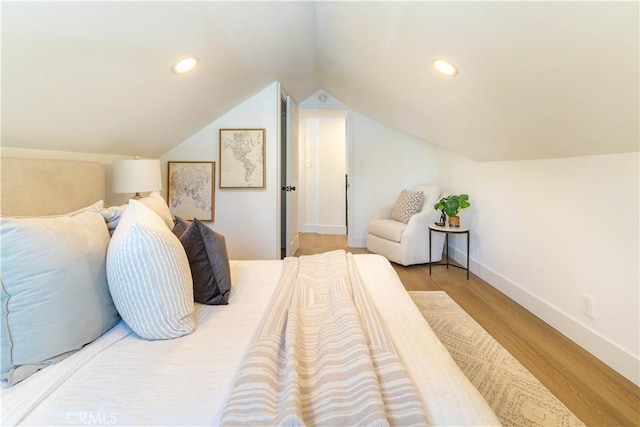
191, 189
242, 158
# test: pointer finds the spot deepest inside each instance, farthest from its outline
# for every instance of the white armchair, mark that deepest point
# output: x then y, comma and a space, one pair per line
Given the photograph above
407, 244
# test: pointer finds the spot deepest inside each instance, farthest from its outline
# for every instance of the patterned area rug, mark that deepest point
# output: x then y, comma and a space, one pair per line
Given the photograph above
515, 395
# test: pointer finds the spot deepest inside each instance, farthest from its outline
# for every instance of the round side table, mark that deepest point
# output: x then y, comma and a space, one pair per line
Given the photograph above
448, 230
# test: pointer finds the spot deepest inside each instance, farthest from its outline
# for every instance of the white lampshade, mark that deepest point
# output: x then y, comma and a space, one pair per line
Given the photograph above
136, 175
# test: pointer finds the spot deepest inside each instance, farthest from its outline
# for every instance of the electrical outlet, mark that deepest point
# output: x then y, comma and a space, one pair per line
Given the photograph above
587, 306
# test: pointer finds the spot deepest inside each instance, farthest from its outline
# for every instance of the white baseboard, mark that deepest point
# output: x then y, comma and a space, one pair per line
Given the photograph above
619, 359
332, 229
309, 228
324, 229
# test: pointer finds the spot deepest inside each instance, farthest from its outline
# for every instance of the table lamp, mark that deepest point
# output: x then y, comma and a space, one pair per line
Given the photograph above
136, 175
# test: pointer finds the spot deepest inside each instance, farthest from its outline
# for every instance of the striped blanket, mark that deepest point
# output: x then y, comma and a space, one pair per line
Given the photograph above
321, 356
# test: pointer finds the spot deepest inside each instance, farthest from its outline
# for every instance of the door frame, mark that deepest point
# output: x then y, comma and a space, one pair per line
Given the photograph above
286, 245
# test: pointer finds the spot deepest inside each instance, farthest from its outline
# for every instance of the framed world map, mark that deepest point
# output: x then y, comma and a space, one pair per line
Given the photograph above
191, 190
242, 164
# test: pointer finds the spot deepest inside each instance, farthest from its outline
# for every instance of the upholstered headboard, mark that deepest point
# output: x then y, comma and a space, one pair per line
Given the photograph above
34, 187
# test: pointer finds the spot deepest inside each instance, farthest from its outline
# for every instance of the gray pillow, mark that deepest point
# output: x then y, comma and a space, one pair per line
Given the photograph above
179, 226
55, 297
209, 262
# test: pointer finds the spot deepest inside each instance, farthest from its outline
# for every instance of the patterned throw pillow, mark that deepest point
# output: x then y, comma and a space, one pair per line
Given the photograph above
408, 204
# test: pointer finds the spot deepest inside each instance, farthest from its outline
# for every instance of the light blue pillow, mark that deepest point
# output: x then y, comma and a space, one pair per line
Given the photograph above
55, 297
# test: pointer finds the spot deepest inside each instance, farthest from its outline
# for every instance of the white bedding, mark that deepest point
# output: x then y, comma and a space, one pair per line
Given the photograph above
121, 379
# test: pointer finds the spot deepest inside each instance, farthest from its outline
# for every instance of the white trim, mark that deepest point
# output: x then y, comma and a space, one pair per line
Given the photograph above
324, 229
357, 242
331, 229
618, 358
309, 228
352, 241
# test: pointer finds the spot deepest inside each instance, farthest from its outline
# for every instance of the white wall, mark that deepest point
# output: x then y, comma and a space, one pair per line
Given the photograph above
249, 219
383, 162
544, 232
111, 198
323, 148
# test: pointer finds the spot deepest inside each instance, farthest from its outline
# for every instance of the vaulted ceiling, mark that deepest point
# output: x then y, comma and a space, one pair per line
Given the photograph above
536, 80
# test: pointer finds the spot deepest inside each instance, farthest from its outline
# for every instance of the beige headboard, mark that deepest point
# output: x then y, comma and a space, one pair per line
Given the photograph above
34, 187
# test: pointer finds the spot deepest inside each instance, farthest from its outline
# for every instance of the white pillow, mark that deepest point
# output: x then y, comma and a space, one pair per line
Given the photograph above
149, 276
55, 297
156, 203
95, 206
92, 207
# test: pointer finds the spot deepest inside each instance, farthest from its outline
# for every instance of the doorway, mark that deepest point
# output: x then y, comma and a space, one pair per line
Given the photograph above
323, 172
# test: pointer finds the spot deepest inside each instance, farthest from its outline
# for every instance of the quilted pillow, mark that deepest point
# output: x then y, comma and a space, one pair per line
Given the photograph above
54, 292
149, 276
209, 262
112, 216
407, 205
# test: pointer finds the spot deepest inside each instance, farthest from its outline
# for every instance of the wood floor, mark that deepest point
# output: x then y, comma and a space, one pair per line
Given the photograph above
597, 394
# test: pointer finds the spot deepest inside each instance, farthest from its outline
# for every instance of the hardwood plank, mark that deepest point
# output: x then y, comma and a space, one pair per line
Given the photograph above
597, 394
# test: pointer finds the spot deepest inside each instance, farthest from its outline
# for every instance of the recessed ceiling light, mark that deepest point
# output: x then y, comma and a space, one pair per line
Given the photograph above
185, 65
445, 67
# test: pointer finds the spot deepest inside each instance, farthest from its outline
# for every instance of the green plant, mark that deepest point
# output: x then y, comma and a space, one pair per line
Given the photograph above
451, 205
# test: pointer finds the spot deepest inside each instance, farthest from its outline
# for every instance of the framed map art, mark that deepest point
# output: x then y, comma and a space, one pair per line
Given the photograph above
242, 164
191, 190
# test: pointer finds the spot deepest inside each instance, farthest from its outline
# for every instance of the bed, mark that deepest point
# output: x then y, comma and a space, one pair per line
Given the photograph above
120, 378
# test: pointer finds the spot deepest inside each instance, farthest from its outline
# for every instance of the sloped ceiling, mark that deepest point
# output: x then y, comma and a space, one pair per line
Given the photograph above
537, 79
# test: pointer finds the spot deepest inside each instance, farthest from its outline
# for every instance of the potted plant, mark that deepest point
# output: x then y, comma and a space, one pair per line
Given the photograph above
451, 205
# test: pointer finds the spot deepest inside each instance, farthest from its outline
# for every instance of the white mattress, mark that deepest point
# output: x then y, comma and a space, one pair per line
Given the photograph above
124, 380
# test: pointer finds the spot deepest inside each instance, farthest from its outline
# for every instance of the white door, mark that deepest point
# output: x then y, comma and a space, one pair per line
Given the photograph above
292, 177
